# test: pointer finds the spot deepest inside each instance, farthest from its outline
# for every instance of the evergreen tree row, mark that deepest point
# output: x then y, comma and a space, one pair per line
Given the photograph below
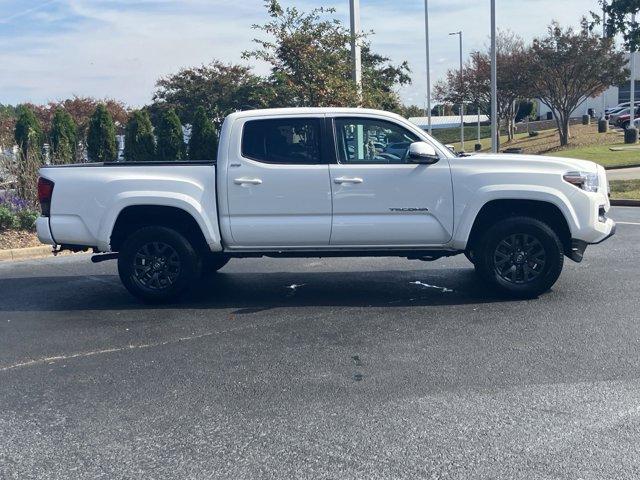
165, 142
142, 142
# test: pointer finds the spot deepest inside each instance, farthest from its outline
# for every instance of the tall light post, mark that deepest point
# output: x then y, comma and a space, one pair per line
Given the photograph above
494, 82
356, 56
459, 33
632, 92
426, 34
604, 36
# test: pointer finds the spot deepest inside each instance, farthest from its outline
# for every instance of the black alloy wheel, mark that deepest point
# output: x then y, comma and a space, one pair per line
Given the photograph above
157, 264
519, 258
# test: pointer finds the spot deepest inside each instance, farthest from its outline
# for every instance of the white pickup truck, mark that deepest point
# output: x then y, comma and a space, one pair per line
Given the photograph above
318, 182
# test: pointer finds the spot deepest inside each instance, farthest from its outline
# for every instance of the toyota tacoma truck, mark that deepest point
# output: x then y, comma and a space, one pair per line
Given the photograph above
320, 182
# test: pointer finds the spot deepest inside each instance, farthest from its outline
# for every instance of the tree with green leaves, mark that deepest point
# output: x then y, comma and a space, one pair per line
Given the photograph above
28, 132
139, 141
203, 143
570, 66
101, 136
220, 88
310, 62
170, 137
619, 20
8, 117
64, 137
474, 88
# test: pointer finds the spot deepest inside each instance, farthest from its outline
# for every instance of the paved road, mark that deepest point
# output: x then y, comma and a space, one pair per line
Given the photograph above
358, 372
624, 174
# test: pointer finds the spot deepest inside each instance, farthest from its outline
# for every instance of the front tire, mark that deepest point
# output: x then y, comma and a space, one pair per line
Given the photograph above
520, 256
157, 264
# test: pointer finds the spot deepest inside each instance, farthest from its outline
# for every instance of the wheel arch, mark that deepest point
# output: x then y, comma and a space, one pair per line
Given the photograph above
544, 211
134, 217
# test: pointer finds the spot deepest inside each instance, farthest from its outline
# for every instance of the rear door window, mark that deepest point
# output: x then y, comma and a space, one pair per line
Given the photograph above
287, 141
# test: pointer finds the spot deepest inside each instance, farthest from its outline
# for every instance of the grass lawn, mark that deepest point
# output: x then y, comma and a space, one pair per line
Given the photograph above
625, 189
585, 143
469, 142
452, 135
603, 155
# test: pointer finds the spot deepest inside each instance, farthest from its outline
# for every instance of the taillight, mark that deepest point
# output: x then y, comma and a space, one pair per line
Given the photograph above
45, 191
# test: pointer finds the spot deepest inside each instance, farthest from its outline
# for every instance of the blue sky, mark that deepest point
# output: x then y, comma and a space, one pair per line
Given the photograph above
52, 49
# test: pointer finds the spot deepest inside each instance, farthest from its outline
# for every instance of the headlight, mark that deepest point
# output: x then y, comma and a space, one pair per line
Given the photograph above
587, 181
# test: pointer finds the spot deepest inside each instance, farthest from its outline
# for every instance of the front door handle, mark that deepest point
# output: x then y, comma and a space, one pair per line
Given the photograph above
348, 180
247, 181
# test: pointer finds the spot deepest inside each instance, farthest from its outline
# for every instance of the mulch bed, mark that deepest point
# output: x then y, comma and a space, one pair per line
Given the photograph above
10, 239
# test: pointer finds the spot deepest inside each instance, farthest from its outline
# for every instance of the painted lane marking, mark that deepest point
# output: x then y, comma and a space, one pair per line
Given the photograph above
162, 343
628, 223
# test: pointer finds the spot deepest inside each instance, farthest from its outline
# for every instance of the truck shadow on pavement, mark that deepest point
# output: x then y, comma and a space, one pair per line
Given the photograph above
253, 292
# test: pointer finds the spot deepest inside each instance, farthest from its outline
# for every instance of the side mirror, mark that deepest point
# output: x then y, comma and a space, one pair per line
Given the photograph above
422, 152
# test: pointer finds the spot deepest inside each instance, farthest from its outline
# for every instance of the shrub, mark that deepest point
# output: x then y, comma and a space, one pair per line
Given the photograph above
101, 138
8, 219
170, 138
16, 213
139, 144
26, 219
64, 137
28, 132
534, 133
203, 144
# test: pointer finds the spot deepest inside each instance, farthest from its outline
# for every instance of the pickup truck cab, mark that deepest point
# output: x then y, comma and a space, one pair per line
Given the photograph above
314, 182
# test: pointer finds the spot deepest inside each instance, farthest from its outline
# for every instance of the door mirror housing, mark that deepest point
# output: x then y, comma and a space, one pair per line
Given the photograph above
422, 152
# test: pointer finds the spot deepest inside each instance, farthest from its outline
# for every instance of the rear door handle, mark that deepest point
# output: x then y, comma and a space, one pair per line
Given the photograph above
348, 180
247, 181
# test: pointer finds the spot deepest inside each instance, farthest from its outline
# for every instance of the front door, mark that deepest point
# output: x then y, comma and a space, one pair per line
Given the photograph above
279, 192
379, 198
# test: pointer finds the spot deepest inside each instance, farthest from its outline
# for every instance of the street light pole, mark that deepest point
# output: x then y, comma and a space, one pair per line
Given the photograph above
426, 34
356, 56
604, 36
459, 33
632, 93
494, 82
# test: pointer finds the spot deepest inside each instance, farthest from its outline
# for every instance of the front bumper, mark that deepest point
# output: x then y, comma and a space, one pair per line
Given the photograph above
578, 247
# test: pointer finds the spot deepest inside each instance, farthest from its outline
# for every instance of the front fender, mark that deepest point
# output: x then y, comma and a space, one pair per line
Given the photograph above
467, 211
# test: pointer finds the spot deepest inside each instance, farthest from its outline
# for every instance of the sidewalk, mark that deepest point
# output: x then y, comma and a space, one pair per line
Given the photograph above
624, 174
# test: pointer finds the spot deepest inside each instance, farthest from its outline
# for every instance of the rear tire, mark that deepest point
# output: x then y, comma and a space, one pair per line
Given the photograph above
471, 255
157, 264
520, 256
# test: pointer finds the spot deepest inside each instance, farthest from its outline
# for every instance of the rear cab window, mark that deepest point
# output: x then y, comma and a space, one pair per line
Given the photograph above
283, 141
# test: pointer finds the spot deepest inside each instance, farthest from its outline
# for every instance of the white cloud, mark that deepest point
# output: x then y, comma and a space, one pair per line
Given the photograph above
119, 51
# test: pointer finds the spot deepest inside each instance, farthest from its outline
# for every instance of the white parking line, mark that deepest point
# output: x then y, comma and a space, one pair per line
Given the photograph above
628, 223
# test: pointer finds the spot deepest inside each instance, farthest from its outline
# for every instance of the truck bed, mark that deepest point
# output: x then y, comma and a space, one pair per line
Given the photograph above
88, 198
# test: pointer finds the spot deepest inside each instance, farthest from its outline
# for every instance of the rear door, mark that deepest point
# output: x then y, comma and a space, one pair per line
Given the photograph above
278, 186
381, 199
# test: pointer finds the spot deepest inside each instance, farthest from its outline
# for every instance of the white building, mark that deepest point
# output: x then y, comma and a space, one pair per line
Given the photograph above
448, 121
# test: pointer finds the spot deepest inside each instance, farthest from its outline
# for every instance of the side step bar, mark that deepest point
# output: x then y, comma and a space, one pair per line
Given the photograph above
103, 257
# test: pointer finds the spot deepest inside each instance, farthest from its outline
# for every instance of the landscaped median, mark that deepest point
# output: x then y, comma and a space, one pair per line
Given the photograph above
17, 230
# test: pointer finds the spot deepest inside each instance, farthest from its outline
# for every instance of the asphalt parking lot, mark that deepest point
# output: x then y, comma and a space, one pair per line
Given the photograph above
323, 368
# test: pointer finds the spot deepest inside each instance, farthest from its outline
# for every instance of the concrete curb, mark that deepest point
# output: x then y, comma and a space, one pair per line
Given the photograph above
625, 203
25, 253
622, 167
